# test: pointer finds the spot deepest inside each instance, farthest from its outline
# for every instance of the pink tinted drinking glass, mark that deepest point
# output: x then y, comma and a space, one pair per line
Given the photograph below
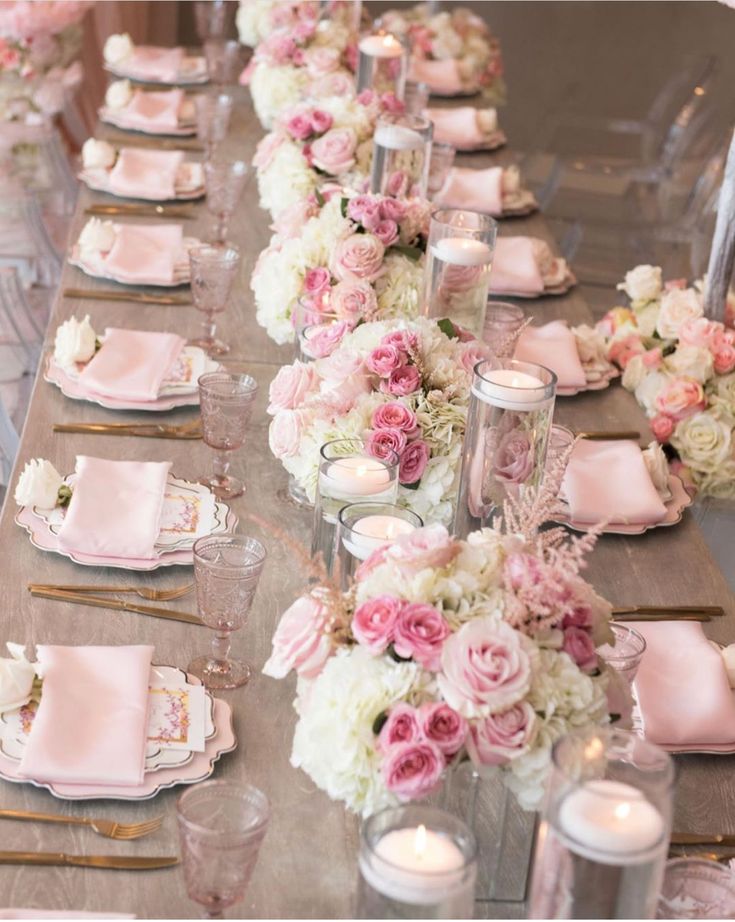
227, 570
225, 182
213, 270
221, 828
213, 112
226, 404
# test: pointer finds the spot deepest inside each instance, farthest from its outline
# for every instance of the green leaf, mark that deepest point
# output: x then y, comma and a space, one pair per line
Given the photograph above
64, 495
411, 486
320, 200
447, 328
97, 345
343, 207
614, 717
413, 253
380, 722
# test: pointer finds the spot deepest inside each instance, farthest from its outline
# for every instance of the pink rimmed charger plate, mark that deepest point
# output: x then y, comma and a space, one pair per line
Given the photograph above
119, 120
200, 767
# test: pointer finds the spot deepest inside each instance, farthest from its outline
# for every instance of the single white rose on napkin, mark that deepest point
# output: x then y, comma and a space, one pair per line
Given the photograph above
658, 469
75, 342
642, 283
38, 484
16, 678
98, 154
117, 48
96, 237
118, 94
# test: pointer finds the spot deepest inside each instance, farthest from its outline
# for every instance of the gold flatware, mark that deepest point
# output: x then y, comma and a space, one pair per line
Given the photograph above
152, 595
601, 436
661, 616
703, 838
714, 610
114, 294
142, 211
108, 828
111, 862
182, 143
143, 430
79, 598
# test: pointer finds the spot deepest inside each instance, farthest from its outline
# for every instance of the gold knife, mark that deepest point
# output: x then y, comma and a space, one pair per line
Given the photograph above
696, 838
61, 595
140, 297
185, 142
612, 436
112, 862
143, 430
715, 610
662, 616
142, 211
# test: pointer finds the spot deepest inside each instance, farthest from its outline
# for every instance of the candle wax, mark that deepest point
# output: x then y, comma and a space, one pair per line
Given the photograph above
356, 477
511, 390
373, 532
462, 251
381, 46
398, 137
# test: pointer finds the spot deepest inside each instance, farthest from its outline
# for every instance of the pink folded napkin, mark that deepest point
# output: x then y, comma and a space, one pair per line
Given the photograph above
155, 110
515, 269
145, 253
682, 686
440, 76
115, 509
457, 127
147, 174
553, 346
609, 481
91, 724
478, 190
132, 364
150, 62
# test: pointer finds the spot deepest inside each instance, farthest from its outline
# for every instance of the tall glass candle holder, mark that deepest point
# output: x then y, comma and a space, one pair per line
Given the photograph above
401, 155
505, 443
363, 528
312, 323
382, 64
416, 862
458, 264
604, 833
348, 474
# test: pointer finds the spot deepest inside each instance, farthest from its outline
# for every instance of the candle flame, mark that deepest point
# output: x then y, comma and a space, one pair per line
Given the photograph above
593, 749
419, 844
622, 811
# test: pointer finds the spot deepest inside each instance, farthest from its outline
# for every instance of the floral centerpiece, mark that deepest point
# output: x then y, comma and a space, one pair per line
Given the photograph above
317, 143
359, 256
401, 386
443, 650
458, 35
681, 368
256, 19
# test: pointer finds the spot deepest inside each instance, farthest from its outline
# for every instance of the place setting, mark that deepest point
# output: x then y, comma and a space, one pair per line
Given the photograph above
154, 112
467, 128
498, 191
152, 63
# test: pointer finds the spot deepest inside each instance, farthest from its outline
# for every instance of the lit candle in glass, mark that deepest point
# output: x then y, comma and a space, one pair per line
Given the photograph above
462, 251
348, 477
510, 389
373, 532
381, 46
382, 64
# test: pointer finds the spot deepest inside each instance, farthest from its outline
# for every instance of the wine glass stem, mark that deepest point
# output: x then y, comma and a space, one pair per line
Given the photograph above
221, 646
220, 228
221, 465
209, 326
213, 914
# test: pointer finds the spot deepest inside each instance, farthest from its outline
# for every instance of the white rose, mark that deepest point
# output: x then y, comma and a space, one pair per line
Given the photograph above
642, 283
16, 679
75, 342
658, 468
117, 48
118, 94
635, 373
97, 236
98, 154
647, 391
691, 362
646, 318
38, 484
677, 305
487, 120
703, 441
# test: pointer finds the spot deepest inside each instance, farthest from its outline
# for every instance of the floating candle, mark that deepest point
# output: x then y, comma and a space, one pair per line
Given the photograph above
462, 251
381, 46
398, 137
348, 477
512, 390
373, 532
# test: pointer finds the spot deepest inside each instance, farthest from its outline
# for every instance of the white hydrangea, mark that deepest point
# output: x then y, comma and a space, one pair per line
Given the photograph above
288, 180
274, 89
253, 20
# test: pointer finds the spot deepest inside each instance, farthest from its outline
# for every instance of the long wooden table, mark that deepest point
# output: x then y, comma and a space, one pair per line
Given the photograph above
307, 867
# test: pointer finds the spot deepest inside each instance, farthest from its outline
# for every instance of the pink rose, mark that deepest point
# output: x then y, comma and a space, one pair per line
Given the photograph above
316, 281
402, 726
485, 668
339, 83
266, 149
431, 546
398, 183
498, 738
290, 386
366, 97
385, 443
395, 416
724, 355
401, 339
579, 647
681, 398
384, 360
341, 365
474, 353
374, 621
321, 121
334, 152
402, 381
414, 459
413, 770
392, 210
353, 299
386, 231
652, 358
522, 571
284, 434
359, 256
364, 209
444, 727
324, 339
662, 427
300, 641
579, 616
698, 331
419, 634
289, 222
299, 126
321, 61
513, 461
622, 350
392, 104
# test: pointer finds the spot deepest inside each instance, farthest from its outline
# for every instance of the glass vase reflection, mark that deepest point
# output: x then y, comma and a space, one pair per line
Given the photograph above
401, 156
508, 425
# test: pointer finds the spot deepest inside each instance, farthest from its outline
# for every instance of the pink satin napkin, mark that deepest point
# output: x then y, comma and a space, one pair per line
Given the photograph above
682, 687
516, 270
145, 253
609, 481
553, 345
478, 190
155, 110
457, 127
149, 174
440, 76
132, 364
115, 509
91, 725
150, 62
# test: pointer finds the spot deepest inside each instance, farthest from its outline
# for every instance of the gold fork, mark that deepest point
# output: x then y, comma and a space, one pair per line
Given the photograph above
152, 595
108, 828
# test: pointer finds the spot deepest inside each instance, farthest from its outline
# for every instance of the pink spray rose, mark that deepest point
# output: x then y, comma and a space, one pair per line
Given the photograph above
299, 126
498, 738
622, 350
414, 458
321, 121
579, 646
392, 104
384, 443
374, 621
413, 770
386, 231
391, 209
353, 299
334, 152
300, 641
324, 339
485, 668
419, 634
402, 726
316, 281
662, 427
443, 726
398, 183
699, 331
290, 386
474, 353
395, 416
680, 398
514, 458
384, 360
402, 339
431, 546
359, 205
359, 256
338, 83
402, 381
724, 354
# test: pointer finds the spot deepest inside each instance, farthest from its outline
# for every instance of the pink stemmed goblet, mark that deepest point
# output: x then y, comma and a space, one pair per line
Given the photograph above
226, 404
213, 270
225, 182
213, 111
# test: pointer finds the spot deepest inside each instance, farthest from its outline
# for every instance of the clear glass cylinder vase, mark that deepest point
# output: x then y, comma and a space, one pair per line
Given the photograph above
401, 155
382, 64
363, 528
